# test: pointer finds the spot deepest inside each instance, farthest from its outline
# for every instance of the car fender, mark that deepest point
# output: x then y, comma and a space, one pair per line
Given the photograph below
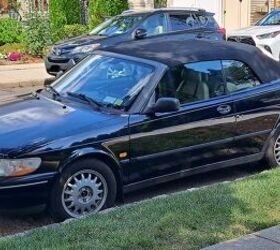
100, 154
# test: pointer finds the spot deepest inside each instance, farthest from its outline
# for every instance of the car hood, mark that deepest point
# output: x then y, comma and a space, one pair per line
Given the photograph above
29, 125
79, 41
255, 30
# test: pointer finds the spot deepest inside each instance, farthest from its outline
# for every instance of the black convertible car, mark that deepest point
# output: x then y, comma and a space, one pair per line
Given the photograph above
135, 115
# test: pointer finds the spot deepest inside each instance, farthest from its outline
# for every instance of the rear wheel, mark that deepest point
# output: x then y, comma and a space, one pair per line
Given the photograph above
272, 156
84, 187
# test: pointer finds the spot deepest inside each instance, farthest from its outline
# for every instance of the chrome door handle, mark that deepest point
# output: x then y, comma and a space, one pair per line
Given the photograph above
224, 109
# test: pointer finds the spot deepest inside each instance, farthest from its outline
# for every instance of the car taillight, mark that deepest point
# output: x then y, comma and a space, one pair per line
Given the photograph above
221, 30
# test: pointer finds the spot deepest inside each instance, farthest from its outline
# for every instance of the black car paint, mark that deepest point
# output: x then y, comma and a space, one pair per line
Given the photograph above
160, 147
65, 60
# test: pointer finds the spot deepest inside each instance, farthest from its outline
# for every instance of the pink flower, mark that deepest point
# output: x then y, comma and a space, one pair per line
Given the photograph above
15, 56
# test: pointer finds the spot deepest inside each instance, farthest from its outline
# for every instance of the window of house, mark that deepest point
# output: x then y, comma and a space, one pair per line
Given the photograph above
193, 82
183, 22
239, 76
155, 25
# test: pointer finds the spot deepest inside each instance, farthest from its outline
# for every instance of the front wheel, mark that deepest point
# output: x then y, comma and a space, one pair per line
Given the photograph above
272, 156
85, 187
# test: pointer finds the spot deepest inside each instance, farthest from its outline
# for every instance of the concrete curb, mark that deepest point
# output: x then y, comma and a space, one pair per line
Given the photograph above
22, 84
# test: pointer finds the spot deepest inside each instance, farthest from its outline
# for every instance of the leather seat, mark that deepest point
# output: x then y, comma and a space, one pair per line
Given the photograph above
192, 87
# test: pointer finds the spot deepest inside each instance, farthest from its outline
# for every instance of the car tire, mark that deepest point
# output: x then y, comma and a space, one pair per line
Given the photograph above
84, 187
272, 155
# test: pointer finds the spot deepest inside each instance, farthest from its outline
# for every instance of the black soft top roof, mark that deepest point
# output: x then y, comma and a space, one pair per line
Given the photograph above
172, 52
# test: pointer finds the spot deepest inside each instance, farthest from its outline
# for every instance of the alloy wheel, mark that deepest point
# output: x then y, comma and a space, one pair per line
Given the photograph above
84, 193
277, 150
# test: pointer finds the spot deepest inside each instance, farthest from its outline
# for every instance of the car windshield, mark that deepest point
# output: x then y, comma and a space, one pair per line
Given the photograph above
270, 19
116, 25
108, 81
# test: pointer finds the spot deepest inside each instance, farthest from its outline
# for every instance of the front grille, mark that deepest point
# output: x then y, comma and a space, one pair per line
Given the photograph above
58, 60
242, 39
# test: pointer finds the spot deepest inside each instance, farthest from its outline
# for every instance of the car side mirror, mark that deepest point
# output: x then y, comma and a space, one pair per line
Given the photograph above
140, 34
164, 105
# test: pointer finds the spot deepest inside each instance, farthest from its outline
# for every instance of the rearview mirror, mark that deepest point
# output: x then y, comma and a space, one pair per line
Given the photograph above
164, 105
140, 33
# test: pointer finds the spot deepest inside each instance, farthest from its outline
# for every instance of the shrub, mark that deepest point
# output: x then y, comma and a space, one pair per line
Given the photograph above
57, 18
11, 31
38, 33
13, 47
74, 30
98, 9
72, 9
63, 12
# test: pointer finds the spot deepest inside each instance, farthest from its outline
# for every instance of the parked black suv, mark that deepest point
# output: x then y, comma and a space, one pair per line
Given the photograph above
130, 25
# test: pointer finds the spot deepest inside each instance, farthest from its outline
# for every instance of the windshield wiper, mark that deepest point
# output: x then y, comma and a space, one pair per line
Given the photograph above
83, 97
54, 92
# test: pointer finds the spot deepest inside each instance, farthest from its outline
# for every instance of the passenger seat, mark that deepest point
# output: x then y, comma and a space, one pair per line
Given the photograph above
192, 88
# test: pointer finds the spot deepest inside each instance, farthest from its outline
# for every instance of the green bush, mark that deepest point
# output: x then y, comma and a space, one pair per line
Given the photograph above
98, 9
13, 47
74, 30
11, 31
57, 19
38, 33
63, 12
72, 9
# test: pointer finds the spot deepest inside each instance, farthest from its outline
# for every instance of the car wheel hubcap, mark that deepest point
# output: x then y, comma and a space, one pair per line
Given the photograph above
277, 150
84, 193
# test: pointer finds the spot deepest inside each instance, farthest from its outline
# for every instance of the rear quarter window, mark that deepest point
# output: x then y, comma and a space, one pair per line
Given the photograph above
207, 21
239, 76
183, 21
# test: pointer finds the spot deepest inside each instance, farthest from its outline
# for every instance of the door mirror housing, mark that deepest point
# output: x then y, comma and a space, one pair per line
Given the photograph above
59, 74
164, 105
140, 34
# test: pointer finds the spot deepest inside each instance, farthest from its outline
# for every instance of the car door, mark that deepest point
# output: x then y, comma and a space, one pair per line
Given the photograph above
199, 134
256, 107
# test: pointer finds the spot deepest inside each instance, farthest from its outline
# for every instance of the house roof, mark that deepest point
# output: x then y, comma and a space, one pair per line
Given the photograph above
172, 51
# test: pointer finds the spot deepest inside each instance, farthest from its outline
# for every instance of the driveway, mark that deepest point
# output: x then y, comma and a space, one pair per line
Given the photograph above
21, 220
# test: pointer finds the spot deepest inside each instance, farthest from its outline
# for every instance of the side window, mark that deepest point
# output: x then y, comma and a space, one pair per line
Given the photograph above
155, 25
193, 82
183, 22
239, 76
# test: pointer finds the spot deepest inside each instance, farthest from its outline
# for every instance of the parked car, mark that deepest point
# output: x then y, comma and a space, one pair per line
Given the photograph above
135, 115
189, 23
265, 35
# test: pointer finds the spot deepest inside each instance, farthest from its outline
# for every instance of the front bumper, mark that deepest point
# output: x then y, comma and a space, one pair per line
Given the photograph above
26, 191
55, 64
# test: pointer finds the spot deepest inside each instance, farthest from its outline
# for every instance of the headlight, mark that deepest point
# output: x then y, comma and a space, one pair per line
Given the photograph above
269, 35
85, 49
18, 167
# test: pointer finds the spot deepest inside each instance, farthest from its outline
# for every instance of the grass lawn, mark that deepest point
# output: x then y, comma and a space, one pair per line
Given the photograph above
189, 220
